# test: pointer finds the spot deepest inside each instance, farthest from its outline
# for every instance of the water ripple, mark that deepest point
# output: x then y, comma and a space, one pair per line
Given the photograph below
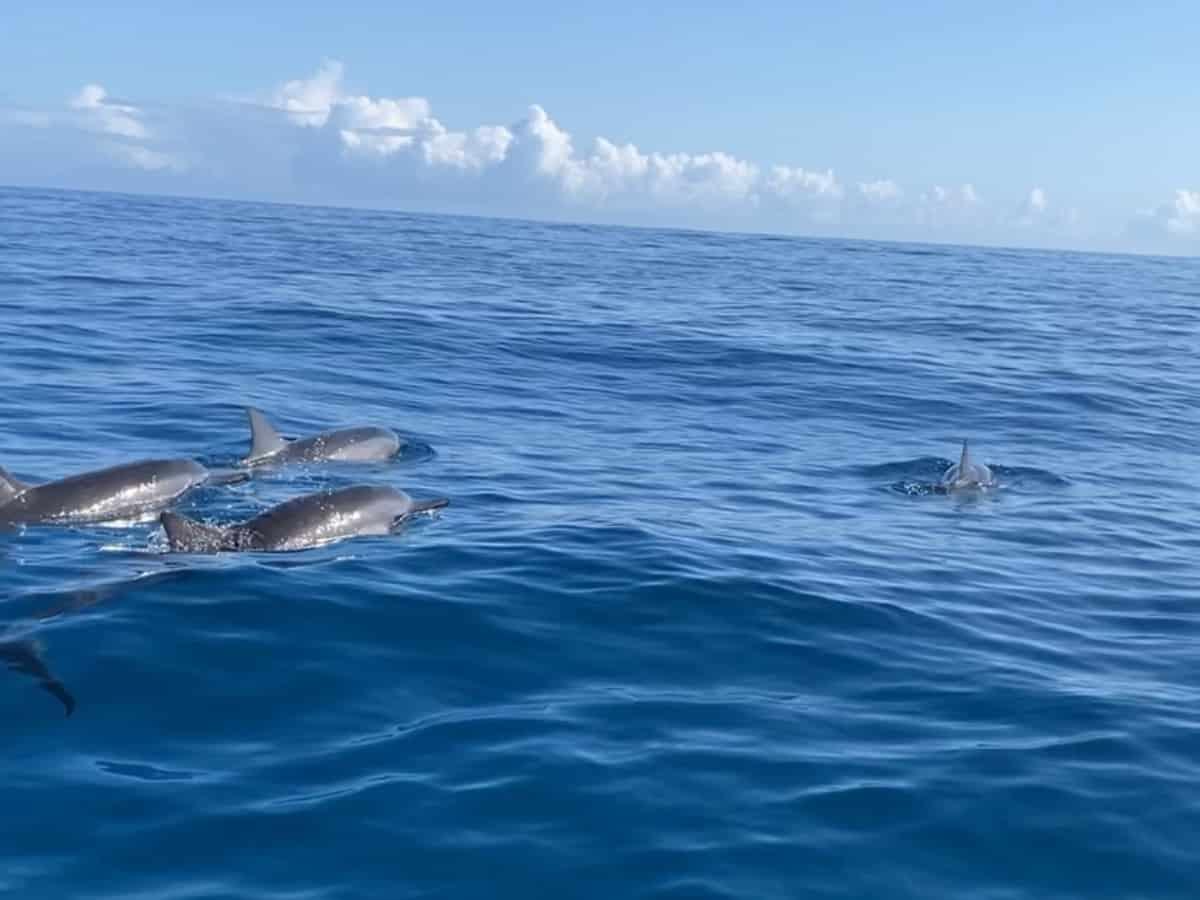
694, 624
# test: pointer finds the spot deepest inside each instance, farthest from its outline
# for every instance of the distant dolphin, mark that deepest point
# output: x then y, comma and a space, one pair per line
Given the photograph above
302, 522
362, 444
126, 491
25, 657
967, 473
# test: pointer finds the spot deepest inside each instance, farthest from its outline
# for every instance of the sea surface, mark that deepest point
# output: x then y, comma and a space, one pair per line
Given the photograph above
694, 624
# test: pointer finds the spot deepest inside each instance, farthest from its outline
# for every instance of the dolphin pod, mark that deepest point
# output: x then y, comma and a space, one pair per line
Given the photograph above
148, 488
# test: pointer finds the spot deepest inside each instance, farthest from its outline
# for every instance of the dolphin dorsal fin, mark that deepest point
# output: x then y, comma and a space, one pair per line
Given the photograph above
965, 459
9, 486
264, 439
191, 536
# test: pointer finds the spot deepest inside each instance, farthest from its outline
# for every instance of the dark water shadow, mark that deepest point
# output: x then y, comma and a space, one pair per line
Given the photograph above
25, 657
23, 652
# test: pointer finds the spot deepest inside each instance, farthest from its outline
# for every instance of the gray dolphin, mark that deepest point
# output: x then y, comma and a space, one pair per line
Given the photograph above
302, 522
25, 656
966, 473
362, 444
126, 491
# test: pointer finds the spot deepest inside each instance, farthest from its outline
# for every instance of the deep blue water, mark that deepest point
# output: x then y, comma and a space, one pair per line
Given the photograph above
690, 627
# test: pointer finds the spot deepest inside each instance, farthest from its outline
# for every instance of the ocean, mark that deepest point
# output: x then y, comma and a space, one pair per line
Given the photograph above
694, 625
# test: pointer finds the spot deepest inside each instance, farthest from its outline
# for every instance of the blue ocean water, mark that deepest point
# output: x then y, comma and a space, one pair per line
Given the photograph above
691, 626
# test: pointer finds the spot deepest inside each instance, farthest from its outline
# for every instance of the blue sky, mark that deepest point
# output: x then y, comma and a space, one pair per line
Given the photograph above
1065, 124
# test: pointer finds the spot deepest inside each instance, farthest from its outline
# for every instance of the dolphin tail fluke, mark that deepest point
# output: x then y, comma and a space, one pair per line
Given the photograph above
9, 486
59, 690
189, 536
25, 657
264, 439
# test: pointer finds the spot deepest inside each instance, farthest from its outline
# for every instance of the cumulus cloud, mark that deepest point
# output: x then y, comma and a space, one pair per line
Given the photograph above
791, 182
90, 128
1183, 216
308, 101
402, 139
619, 173
385, 127
101, 114
140, 157
953, 207
1174, 223
1034, 210
881, 191
312, 139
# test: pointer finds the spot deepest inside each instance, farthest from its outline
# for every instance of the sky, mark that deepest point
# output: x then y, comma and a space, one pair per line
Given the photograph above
1031, 124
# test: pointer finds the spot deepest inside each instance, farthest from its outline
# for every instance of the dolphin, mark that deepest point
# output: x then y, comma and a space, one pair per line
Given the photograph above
361, 444
310, 520
127, 491
967, 473
25, 656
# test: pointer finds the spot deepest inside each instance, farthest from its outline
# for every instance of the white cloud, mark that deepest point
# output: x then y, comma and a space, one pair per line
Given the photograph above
542, 144
1183, 216
123, 135
618, 173
703, 178
101, 114
881, 191
949, 208
1178, 220
1034, 210
312, 139
536, 151
308, 101
790, 183
139, 157
485, 146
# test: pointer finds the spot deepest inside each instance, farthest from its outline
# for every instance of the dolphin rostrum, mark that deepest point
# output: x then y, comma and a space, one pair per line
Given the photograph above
361, 444
967, 473
122, 492
302, 522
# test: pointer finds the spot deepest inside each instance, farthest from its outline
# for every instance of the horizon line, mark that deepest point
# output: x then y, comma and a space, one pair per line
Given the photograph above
582, 223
